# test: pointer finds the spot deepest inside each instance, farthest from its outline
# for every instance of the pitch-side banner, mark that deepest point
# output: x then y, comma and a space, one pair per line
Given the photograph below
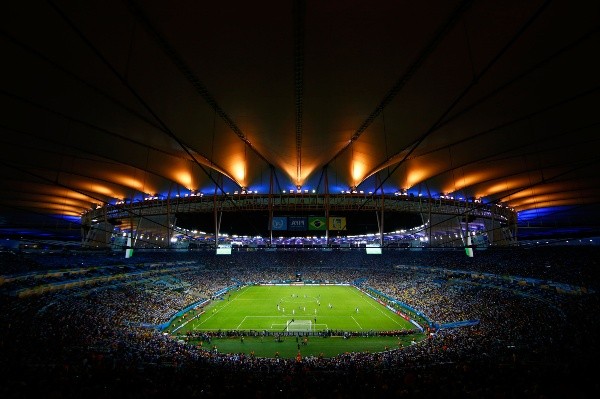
279, 223
317, 223
337, 223
296, 223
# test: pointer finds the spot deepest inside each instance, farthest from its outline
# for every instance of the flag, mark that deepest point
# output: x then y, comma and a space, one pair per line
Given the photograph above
337, 223
279, 223
316, 223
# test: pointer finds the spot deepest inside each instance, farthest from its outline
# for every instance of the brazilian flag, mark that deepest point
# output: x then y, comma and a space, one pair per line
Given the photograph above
317, 223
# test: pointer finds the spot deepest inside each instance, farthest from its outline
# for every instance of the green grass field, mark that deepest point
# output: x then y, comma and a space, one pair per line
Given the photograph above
272, 308
298, 309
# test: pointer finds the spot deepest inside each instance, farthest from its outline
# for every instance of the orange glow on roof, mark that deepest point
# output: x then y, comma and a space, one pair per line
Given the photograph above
532, 199
307, 171
238, 170
184, 178
556, 202
74, 195
129, 182
62, 201
415, 176
290, 171
101, 189
464, 181
54, 207
506, 185
357, 171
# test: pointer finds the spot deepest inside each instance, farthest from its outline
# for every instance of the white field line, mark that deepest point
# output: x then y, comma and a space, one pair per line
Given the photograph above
314, 329
258, 299
244, 319
359, 326
360, 294
370, 302
288, 316
242, 293
204, 320
242, 322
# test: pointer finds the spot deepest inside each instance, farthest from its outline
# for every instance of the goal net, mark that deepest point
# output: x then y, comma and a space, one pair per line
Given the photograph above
298, 325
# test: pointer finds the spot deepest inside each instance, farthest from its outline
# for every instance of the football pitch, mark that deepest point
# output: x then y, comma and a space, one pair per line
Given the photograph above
296, 308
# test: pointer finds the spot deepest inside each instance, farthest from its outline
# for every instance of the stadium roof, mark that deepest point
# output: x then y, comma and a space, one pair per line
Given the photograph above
103, 101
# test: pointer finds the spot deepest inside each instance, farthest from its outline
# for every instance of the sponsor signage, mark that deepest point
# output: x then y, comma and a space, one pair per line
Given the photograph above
313, 223
279, 223
296, 223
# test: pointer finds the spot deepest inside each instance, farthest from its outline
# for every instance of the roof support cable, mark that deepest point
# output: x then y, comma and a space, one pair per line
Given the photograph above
187, 72
439, 35
299, 12
138, 97
468, 88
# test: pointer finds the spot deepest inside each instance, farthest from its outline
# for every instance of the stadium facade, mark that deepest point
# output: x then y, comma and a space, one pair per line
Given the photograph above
441, 222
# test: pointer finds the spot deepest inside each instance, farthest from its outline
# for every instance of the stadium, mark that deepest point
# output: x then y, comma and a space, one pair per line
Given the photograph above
299, 199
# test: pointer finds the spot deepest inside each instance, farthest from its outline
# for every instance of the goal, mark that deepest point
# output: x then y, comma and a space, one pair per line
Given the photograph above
298, 325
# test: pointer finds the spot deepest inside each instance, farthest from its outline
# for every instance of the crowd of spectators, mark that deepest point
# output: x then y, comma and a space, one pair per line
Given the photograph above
91, 340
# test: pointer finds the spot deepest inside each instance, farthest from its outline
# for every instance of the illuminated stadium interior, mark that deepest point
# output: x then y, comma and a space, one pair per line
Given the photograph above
458, 100
164, 163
